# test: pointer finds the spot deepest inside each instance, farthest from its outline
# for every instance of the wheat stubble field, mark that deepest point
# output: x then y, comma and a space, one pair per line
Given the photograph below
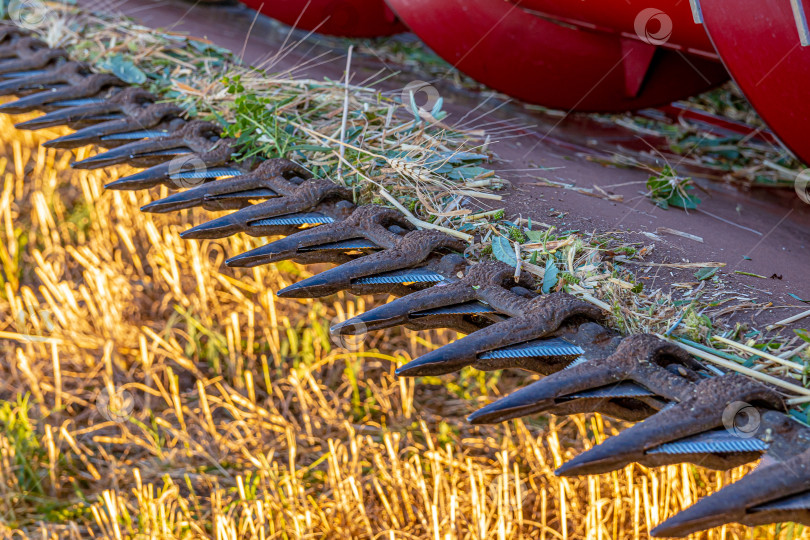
146, 391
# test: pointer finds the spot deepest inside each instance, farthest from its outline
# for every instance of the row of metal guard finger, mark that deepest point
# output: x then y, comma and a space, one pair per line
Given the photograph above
685, 411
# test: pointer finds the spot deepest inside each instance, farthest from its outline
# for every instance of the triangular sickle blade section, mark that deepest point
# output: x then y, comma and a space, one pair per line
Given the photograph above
718, 441
403, 277
639, 359
217, 172
183, 171
537, 348
543, 317
343, 245
272, 178
613, 391
303, 218
687, 430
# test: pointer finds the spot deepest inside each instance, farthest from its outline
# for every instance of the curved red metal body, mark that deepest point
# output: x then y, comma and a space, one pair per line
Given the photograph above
625, 16
759, 42
552, 64
347, 18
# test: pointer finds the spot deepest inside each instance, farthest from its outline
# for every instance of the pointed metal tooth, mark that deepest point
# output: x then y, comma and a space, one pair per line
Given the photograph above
114, 104
542, 317
146, 179
402, 310
98, 112
537, 348
370, 223
194, 138
444, 317
45, 97
343, 278
107, 131
142, 121
287, 248
746, 501
129, 153
314, 202
266, 182
413, 249
535, 398
163, 174
70, 76
464, 297
216, 228
231, 224
687, 424
15, 86
279, 251
30, 103
634, 361
207, 193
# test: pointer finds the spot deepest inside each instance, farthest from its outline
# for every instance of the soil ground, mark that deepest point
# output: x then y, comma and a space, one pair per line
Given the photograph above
762, 231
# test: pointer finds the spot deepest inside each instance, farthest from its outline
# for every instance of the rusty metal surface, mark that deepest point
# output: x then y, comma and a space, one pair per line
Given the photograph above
67, 81
149, 121
587, 366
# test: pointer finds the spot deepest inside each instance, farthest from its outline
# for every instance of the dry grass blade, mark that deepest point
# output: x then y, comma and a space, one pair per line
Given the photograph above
148, 391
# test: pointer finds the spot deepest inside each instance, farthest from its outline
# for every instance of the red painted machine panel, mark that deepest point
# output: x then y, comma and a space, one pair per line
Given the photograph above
555, 65
760, 43
671, 20
348, 18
